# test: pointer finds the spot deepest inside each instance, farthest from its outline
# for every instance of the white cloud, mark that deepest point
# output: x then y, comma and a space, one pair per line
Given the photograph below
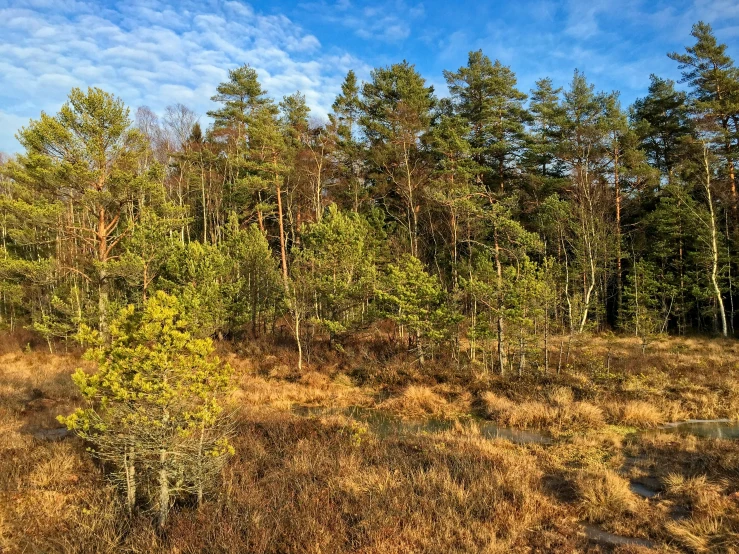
152, 52
389, 21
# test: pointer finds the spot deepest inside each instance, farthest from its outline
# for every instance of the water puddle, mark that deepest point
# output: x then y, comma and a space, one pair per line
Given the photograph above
387, 425
705, 428
51, 434
596, 534
384, 424
642, 490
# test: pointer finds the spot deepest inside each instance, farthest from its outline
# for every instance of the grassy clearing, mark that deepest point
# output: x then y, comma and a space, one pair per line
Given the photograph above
330, 484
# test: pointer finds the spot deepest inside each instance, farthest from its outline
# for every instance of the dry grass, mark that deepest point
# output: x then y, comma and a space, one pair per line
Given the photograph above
678, 378
670, 453
700, 485
706, 534
301, 485
296, 485
417, 402
312, 389
329, 484
713, 525
604, 495
513, 414
635, 413
561, 412
422, 494
696, 493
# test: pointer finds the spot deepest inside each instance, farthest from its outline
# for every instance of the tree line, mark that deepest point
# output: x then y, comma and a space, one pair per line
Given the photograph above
483, 224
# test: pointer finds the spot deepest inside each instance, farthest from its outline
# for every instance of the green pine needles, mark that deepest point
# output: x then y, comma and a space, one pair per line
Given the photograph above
154, 411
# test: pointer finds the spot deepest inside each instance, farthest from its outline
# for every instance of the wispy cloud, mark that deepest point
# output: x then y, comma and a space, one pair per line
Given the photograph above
617, 46
389, 21
152, 52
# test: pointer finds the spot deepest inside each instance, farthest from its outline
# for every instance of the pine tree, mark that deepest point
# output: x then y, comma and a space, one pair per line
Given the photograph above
486, 96
294, 126
669, 235
662, 120
196, 273
715, 81
416, 301
453, 184
585, 152
335, 269
246, 130
546, 117
253, 283
146, 250
28, 275
396, 115
240, 96
345, 118
87, 157
154, 410
641, 294
490, 274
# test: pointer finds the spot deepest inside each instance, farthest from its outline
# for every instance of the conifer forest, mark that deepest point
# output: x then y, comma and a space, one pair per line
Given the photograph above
479, 223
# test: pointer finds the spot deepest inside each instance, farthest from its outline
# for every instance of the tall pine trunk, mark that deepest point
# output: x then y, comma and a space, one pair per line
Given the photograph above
163, 488
714, 243
500, 322
293, 301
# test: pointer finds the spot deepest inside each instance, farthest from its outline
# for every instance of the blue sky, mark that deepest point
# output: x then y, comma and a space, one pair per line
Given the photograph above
160, 52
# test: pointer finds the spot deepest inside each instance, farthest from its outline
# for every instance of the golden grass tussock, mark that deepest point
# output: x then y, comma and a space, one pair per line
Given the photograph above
59, 468
315, 380
342, 380
705, 534
517, 414
417, 402
635, 413
697, 493
496, 406
713, 525
562, 412
603, 495
562, 397
586, 415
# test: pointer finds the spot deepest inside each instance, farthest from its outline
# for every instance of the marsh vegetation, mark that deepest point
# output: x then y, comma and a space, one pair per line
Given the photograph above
314, 472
